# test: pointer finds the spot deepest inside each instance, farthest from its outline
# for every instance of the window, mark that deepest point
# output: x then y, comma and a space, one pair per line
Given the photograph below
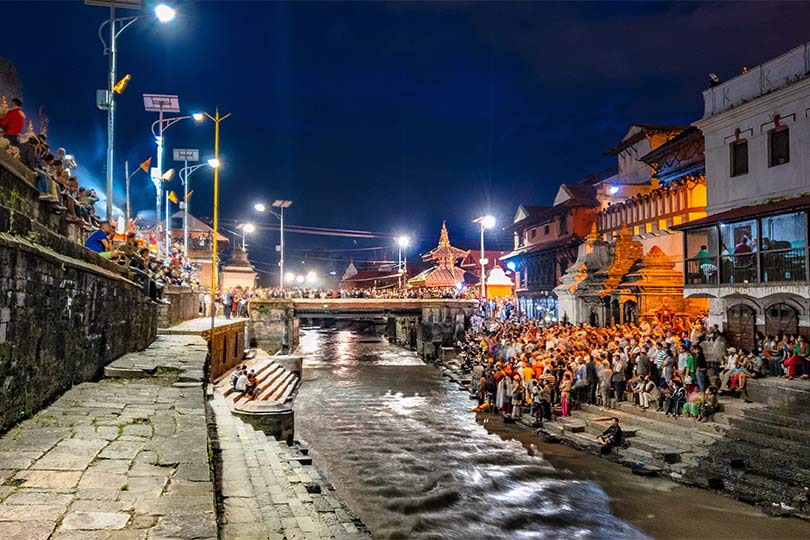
739, 157
534, 233
778, 146
783, 247
563, 224
702, 250
737, 256
546, 229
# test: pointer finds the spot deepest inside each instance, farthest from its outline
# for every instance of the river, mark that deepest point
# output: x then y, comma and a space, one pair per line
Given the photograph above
404, 452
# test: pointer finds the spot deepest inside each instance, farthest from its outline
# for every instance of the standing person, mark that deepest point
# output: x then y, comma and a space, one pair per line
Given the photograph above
592, 378
618, 378
565, 392
701, 367
227, 303
605, 375
13, 122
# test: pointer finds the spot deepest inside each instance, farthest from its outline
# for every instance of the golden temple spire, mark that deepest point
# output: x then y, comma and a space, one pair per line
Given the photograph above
444, 239
592, 236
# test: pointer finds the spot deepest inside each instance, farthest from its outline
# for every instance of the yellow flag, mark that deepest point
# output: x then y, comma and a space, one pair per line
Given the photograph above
145, 164
173, 197
189, 195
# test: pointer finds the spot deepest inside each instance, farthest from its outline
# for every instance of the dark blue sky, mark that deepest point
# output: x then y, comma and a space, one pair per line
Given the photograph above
390, 117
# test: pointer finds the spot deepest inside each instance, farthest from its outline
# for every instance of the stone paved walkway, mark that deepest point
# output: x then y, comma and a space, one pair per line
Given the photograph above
113, 460
272, 492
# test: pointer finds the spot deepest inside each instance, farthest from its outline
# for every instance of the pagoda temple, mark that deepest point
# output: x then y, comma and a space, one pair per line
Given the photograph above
444, 272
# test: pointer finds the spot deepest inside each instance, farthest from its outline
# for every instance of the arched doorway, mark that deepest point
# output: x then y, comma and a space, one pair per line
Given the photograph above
740, 326
781, 318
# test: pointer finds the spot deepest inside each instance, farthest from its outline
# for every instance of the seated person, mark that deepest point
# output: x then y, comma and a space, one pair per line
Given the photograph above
99, 241
612, 436
709, 406
676, 399
242, 382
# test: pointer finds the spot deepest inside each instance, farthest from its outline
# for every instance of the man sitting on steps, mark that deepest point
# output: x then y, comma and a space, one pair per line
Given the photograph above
611, 437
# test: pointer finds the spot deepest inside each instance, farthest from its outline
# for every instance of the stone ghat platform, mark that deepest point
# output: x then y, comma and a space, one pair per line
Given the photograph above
116, 459
754, 452
277, 380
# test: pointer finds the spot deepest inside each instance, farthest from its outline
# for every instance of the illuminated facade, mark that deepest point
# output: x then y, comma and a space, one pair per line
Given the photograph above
749, 256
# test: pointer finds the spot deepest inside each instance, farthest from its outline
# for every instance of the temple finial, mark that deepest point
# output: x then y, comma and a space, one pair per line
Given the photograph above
444, 238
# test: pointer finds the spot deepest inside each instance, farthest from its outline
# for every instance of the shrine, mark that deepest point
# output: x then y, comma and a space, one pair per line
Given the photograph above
444, 272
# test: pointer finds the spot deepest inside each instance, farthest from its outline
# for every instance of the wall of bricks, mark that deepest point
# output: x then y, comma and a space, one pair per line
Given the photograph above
64, 311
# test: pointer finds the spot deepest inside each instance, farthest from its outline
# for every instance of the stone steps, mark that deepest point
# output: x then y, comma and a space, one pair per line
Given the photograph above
271, 490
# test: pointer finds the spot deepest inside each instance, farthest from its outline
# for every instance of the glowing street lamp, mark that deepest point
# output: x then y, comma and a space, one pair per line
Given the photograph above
105, 99
403, 242
214, 162
246, 228
486, 222
260, 207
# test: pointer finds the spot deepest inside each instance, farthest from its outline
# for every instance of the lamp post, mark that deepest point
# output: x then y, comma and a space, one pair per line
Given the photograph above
246, 228
128, 176
185, 155
161, 103
403, 242
216, 119
486, 222
281, 204
105, 99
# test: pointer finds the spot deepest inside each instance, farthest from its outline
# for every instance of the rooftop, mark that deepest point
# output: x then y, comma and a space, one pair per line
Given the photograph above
783, 70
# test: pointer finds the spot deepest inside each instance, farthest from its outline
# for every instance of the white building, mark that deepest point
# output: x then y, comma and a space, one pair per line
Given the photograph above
749, 256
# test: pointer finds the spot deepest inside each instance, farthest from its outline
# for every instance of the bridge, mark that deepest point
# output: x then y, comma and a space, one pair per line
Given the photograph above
422, 324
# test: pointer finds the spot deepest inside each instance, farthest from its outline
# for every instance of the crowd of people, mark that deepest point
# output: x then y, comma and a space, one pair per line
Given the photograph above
140, 257
527, 366
315, 293
58, 185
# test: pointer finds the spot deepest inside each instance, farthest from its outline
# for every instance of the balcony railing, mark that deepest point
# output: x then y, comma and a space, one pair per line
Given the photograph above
784, 265
777, 265
702, 271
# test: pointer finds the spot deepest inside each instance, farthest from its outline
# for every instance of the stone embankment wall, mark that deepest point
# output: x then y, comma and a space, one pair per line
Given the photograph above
270, 322
184, 306
64, 311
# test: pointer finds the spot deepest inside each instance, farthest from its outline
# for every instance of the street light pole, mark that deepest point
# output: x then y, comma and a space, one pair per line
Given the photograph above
281, 204
164, 14
486, 222
217, 118
185, 155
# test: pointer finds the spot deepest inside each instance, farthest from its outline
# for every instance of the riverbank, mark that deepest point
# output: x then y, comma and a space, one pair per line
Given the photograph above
644, 496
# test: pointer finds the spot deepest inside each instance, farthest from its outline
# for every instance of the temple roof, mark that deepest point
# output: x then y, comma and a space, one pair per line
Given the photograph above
639, 132
445, 273
444, 250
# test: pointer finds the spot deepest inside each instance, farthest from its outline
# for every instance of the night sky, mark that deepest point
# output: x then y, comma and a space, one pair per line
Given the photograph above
389, 116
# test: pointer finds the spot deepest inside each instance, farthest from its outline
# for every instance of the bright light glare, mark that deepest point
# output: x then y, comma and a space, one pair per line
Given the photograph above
403, 241
511, 265
613, 190
488, 222
260, 207
289, 276
299, 279
164, 13
311, 277
249, 227
459, 285
213, 162
198, 116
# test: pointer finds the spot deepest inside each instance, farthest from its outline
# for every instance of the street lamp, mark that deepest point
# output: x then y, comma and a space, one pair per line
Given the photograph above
281, 204
185, 155
403, 242
214, 162
246, 228
161, 103
105, 99
486, 222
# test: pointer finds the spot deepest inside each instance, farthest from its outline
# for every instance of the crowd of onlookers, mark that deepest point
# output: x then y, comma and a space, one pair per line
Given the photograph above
140, 257
671, 368
316, 293
58, 185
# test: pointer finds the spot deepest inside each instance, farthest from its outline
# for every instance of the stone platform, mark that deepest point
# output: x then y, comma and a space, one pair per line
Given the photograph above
114, 460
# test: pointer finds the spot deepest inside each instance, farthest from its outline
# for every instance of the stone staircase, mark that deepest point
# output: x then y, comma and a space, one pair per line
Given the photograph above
764, 456
274, 382
271, 490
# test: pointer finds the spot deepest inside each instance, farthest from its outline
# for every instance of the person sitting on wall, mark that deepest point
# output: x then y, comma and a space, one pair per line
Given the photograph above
99, 241
612, 436
242, 382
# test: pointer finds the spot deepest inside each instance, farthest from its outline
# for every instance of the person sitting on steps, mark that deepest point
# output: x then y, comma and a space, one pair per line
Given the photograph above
611, 437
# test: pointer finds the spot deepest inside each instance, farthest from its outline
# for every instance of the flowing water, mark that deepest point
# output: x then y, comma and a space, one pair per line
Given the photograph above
399, 443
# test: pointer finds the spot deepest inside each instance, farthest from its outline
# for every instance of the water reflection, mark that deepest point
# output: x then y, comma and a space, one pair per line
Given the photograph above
407, 455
